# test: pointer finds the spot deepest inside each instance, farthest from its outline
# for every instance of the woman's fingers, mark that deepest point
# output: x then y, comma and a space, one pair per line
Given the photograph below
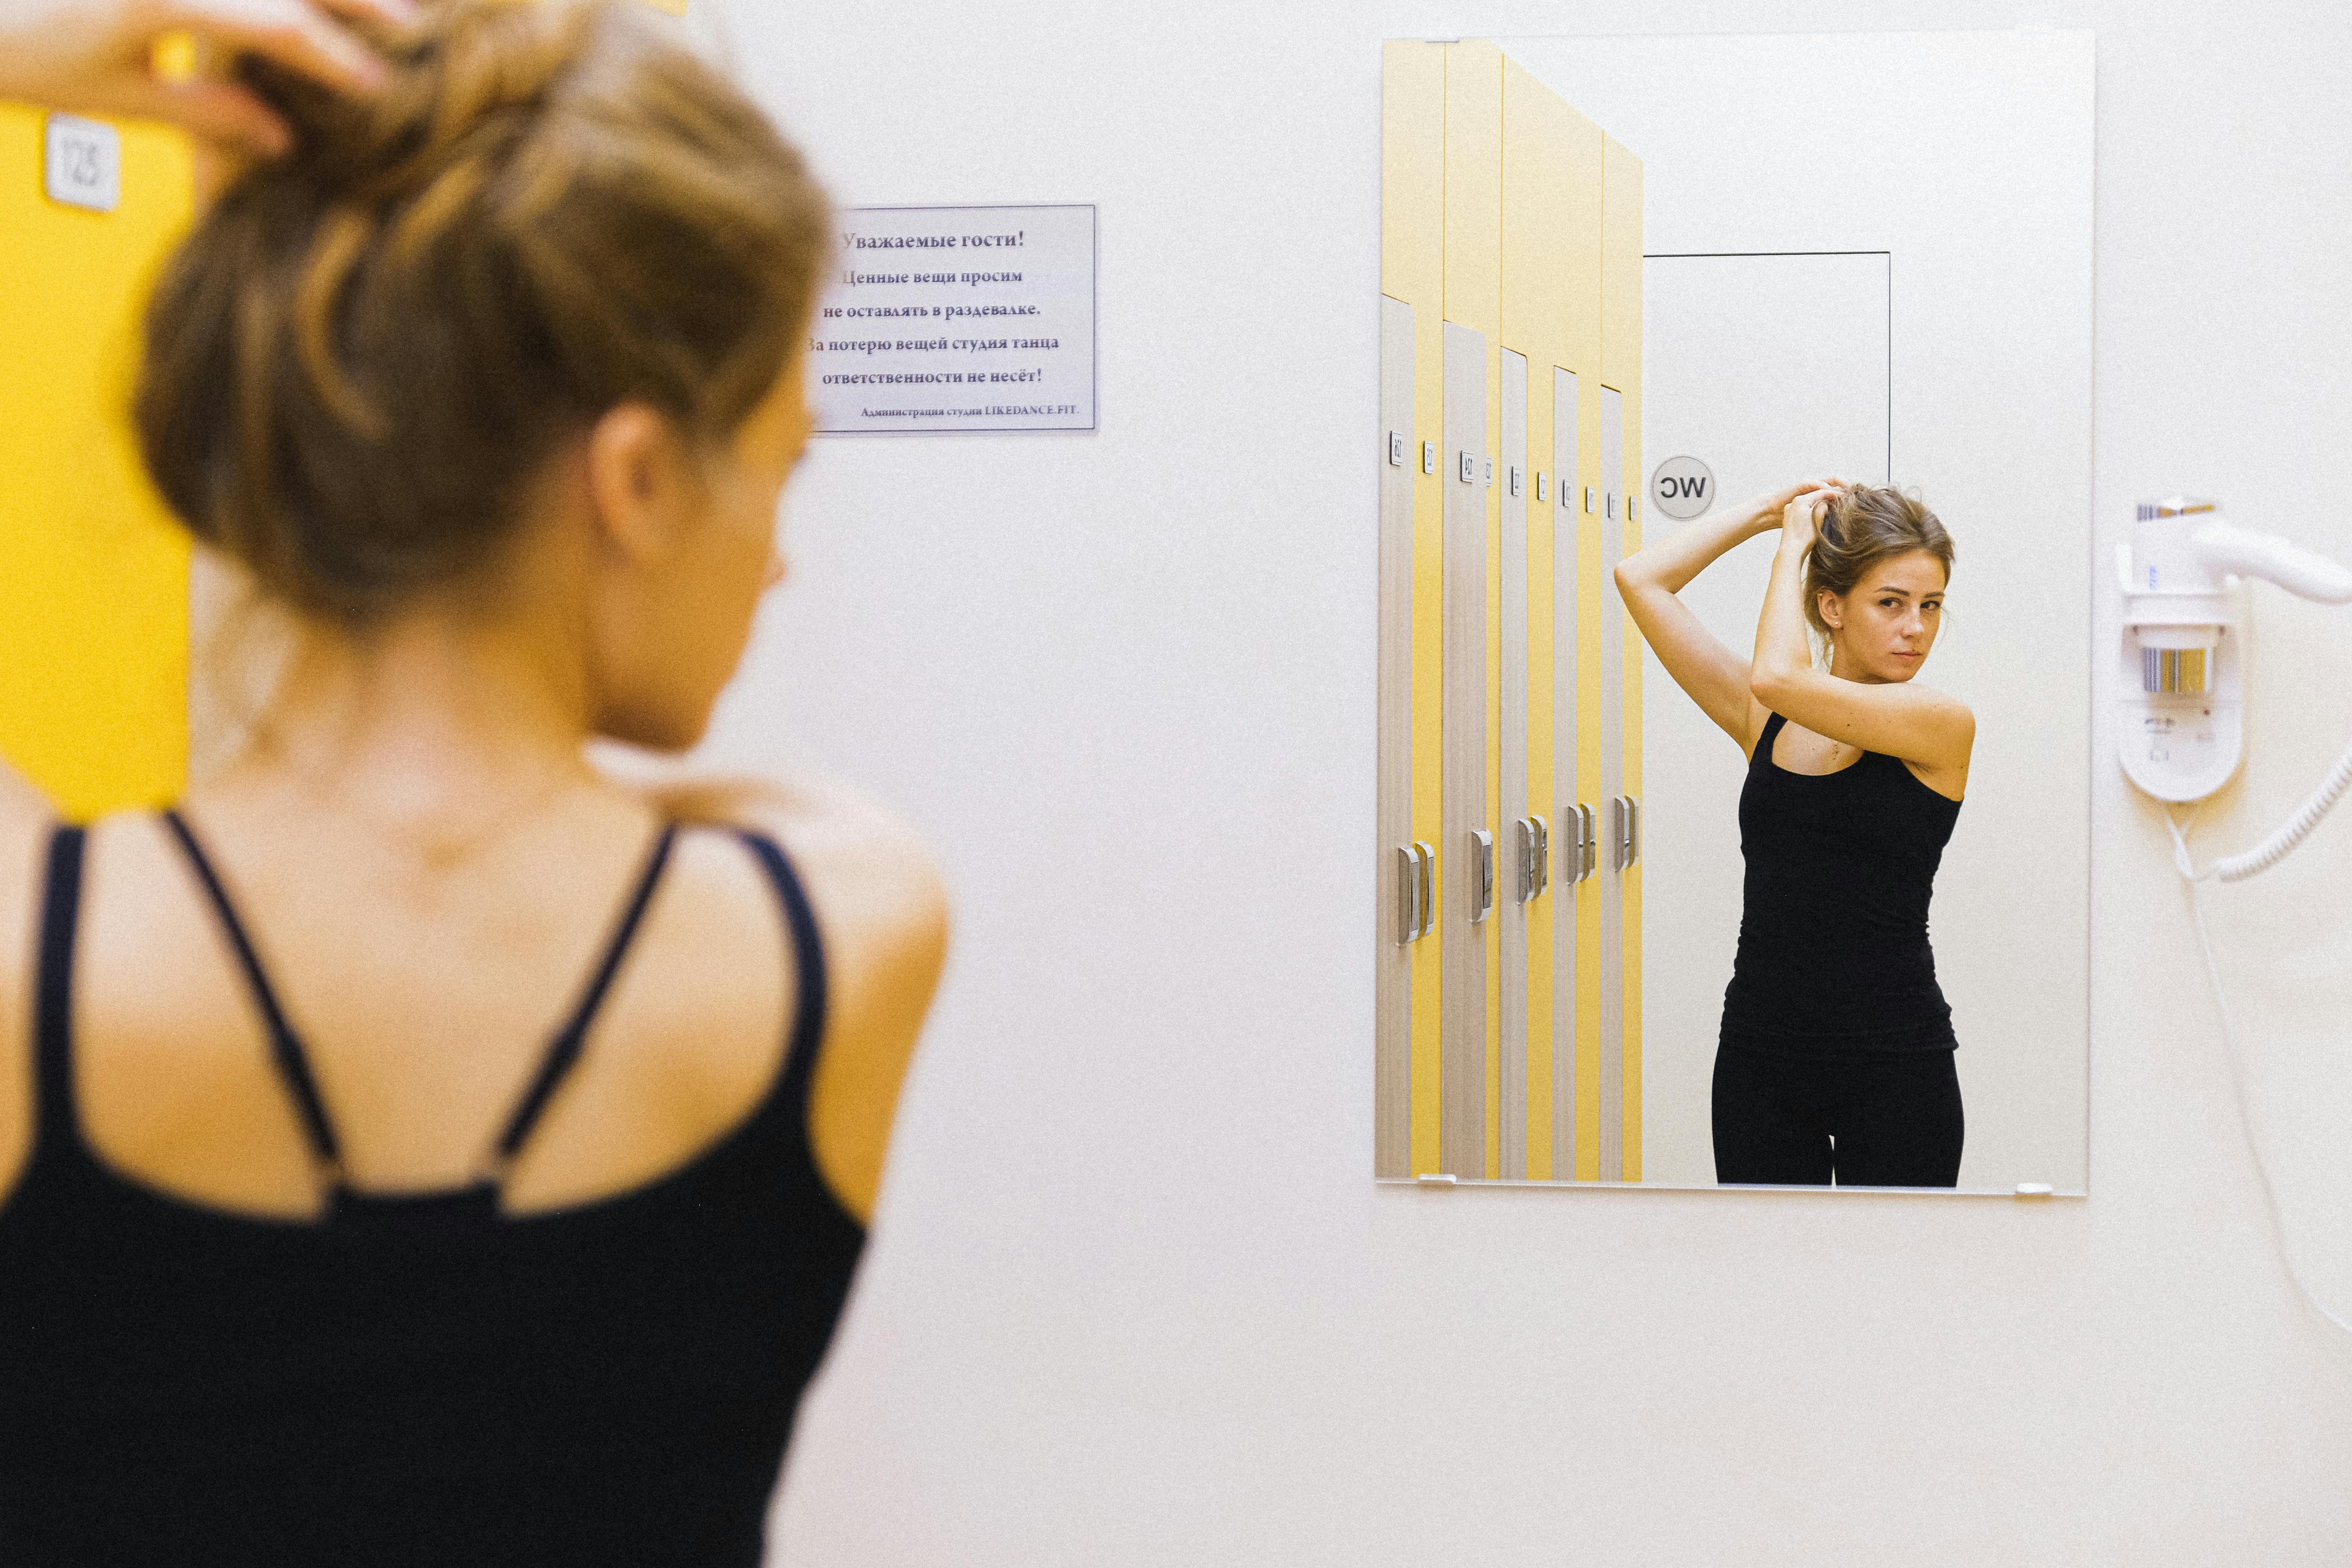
392, 13
297, 34
221, 112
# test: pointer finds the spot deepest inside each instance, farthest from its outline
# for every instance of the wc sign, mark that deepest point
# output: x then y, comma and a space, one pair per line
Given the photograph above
1682, 488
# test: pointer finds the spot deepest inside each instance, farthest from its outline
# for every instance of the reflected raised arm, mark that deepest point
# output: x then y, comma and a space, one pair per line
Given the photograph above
1714, 677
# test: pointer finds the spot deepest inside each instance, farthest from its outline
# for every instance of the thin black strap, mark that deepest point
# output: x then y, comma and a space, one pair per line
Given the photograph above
53, 988
808, 960
1773, 723
285, 1046
564, 1050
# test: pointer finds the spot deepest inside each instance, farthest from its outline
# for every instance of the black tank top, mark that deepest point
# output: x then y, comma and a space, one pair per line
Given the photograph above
415, 1380
1834, 956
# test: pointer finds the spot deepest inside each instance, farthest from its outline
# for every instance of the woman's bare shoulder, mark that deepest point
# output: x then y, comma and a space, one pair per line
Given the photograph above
882, 913
867, 870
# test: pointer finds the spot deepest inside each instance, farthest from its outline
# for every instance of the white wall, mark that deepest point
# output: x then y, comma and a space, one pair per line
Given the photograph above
1134, 1298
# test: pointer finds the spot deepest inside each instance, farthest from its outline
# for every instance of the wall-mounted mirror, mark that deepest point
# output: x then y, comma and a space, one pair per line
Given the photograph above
1628, 283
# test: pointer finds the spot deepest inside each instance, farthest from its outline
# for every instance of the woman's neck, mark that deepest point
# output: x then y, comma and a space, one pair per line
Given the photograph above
438, 732
1848, 668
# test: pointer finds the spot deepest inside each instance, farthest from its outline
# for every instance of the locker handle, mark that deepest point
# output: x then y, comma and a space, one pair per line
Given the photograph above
1528, 859
1408, 895
1540, 874
1415, 886
1625, 832
1428, 859
1481, 860
1588, 841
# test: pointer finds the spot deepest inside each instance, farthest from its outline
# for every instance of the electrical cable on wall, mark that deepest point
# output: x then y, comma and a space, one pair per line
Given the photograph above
2229, 1034
2183, 735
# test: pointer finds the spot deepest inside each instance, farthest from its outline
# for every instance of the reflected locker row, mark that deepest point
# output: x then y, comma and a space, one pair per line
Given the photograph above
1507, 957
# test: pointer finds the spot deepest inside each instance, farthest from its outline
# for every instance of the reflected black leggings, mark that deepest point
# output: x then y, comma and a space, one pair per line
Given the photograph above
1886, 1121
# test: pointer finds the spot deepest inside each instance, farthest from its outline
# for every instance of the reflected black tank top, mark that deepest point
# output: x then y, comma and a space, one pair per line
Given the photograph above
416, 1380
1834, 956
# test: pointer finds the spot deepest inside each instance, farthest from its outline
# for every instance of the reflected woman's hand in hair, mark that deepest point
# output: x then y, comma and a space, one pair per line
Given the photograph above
1764, 513
1800, 517
99, 56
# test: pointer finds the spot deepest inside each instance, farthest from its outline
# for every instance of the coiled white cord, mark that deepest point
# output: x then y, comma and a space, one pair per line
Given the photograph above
2273, 850
2263, 856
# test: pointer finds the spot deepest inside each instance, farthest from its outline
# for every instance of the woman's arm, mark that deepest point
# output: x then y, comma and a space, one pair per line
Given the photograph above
1714, 677
1930, 728
98, 56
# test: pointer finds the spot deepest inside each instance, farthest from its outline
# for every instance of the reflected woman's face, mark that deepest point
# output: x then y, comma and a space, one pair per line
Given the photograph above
1885, 627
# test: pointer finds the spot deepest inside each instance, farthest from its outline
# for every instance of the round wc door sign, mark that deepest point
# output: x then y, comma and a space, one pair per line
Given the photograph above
1682, 488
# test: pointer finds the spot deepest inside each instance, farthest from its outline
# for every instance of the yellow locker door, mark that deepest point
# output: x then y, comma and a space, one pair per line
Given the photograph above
1473, 288
1612, 876
1536, 306
1412, 216
1622, 365
1515, 843
1400, 913
93, 572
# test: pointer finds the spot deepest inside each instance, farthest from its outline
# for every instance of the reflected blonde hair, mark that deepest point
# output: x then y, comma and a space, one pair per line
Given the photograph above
1861, 526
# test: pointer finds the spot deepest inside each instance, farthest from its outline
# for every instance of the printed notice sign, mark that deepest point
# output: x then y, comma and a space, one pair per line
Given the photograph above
957, 319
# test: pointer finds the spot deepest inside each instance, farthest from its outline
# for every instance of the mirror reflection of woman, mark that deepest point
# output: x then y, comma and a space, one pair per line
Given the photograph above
1835, 1060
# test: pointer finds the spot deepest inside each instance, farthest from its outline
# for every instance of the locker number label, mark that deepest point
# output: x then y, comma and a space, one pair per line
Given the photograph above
83, 167
1683, 486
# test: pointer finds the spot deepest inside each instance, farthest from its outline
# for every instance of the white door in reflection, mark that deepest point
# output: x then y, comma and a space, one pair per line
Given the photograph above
1767, 369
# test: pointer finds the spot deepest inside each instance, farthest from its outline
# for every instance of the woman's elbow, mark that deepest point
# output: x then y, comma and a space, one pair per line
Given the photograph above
1767, 684
1629, 577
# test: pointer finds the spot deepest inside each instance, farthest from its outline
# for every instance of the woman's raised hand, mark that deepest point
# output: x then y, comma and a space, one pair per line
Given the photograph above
1768, 513
97, 56
1800, 520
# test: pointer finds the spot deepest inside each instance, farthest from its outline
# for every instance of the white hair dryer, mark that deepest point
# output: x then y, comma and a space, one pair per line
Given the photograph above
2182, 730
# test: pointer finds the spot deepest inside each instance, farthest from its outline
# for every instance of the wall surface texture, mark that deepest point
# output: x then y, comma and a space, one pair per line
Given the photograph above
1134, 1297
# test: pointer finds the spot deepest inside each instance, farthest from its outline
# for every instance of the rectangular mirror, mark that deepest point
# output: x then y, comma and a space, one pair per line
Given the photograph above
1626, 281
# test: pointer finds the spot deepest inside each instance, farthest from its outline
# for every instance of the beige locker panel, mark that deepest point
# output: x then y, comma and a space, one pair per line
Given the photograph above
1467, 867
1401, 876
1569, 855
1516, 848
1608, 879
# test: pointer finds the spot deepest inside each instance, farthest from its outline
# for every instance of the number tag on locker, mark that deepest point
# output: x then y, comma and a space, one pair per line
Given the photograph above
84, 163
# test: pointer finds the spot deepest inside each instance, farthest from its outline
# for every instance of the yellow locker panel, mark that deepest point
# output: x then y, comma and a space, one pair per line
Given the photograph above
1536, 307
1514, 835
1499, 203
93, 572
1583, 193
1620, 357
1467, 1098
1399, 919
1474, 179
1412, 251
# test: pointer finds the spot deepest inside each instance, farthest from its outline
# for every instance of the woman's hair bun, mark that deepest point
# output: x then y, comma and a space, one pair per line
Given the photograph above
366, 349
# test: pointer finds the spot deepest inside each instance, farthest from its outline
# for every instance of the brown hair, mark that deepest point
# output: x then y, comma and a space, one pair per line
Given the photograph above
365, 351
1860, 527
